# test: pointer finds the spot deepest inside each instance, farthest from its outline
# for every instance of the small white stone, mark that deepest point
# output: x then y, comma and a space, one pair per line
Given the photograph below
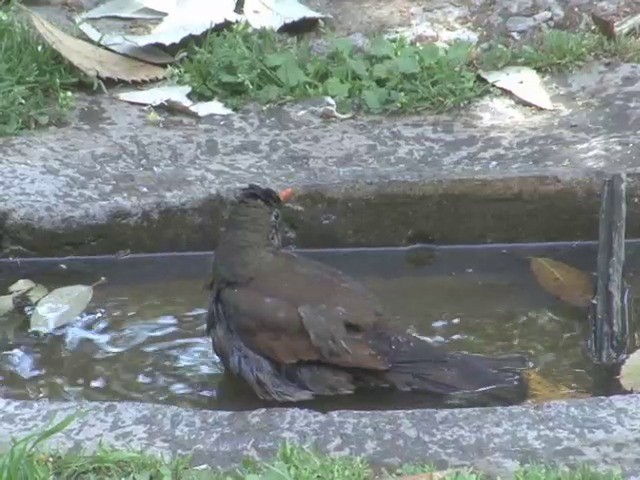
543, 16
520, 24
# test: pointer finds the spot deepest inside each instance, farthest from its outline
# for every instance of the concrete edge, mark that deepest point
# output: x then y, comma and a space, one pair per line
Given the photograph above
598, 431
552, 207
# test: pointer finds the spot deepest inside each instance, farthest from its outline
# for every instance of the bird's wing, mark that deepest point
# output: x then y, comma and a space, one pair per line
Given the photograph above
302, 310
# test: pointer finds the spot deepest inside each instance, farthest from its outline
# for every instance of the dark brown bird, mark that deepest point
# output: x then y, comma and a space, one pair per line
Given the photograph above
294, 329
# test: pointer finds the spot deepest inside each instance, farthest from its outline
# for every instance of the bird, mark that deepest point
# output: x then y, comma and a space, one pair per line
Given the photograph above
295, 329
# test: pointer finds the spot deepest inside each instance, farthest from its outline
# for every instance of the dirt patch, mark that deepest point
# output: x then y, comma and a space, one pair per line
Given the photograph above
483, 19
440, 20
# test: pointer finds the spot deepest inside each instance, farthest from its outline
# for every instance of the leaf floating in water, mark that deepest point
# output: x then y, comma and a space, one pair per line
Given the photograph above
22, 285
630, 372
37, 293
563, 281
6, 304
542, 390
60, 307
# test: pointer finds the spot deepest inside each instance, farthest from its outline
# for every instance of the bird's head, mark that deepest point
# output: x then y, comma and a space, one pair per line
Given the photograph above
254, 194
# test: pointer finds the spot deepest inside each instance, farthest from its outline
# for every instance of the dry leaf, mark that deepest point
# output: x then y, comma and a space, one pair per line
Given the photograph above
563, 281
542, 390
61, 306
22, 285
606, 26
630, 372
6, 304
92, 60
612, 30
174, 97
330, 112
523, 82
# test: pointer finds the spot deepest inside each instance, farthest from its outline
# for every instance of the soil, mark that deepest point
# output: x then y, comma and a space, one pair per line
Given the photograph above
439, 19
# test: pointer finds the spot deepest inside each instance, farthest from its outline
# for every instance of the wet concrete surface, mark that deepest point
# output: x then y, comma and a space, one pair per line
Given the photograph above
597, 431
113, 180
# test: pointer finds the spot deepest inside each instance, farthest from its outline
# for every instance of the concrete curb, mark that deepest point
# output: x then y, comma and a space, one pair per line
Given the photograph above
111, 181
599, 431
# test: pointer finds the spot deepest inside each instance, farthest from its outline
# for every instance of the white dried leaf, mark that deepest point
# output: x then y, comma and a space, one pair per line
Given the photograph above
92, 60
523, 82
6, 304
60, 307
213, 107
37, 293
630, 372
22, 285
174, 96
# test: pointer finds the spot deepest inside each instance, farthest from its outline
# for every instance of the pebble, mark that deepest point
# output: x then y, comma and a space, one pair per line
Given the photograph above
520, 24
543, 17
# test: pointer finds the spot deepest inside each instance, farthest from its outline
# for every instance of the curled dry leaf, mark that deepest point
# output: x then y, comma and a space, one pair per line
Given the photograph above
37, 293
330, 112
6, 304
541, 390
630, 372
92, 60
60, 307
22, 285
523, 82
563, 281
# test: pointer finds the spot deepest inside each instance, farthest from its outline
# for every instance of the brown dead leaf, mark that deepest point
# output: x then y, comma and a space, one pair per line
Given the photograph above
563, 281
92, 60
541, 390
607, 27
613, 30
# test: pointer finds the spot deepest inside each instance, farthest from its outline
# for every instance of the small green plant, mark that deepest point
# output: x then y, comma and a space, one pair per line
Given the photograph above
559, 50
35, 82
540, 472
296, 463
23, 461
240, 65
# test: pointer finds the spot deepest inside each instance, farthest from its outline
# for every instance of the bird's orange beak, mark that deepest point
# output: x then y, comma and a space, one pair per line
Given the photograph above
286, 195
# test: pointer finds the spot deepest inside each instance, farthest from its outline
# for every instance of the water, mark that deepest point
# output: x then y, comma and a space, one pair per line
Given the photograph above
145, 339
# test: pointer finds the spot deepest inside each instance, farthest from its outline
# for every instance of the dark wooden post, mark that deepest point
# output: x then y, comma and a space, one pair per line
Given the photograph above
610, 311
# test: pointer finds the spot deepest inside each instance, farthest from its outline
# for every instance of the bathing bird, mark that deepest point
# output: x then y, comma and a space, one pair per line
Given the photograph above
295, 329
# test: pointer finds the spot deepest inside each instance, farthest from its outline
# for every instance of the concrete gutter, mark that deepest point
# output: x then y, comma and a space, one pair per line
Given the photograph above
111, 181
500, 172
599, 431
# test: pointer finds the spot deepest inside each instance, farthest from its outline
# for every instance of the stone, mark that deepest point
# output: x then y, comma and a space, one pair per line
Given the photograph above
514, 6
543, 16
520, 24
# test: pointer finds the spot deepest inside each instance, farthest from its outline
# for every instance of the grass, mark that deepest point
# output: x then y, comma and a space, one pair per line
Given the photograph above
26, 460
35, 83
240, 65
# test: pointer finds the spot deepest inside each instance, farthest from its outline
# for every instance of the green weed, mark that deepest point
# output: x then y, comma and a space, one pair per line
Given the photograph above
35, 82
239, 65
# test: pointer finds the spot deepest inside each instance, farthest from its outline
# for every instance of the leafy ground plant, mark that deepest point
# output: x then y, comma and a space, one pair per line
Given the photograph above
241, 65
35, 83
